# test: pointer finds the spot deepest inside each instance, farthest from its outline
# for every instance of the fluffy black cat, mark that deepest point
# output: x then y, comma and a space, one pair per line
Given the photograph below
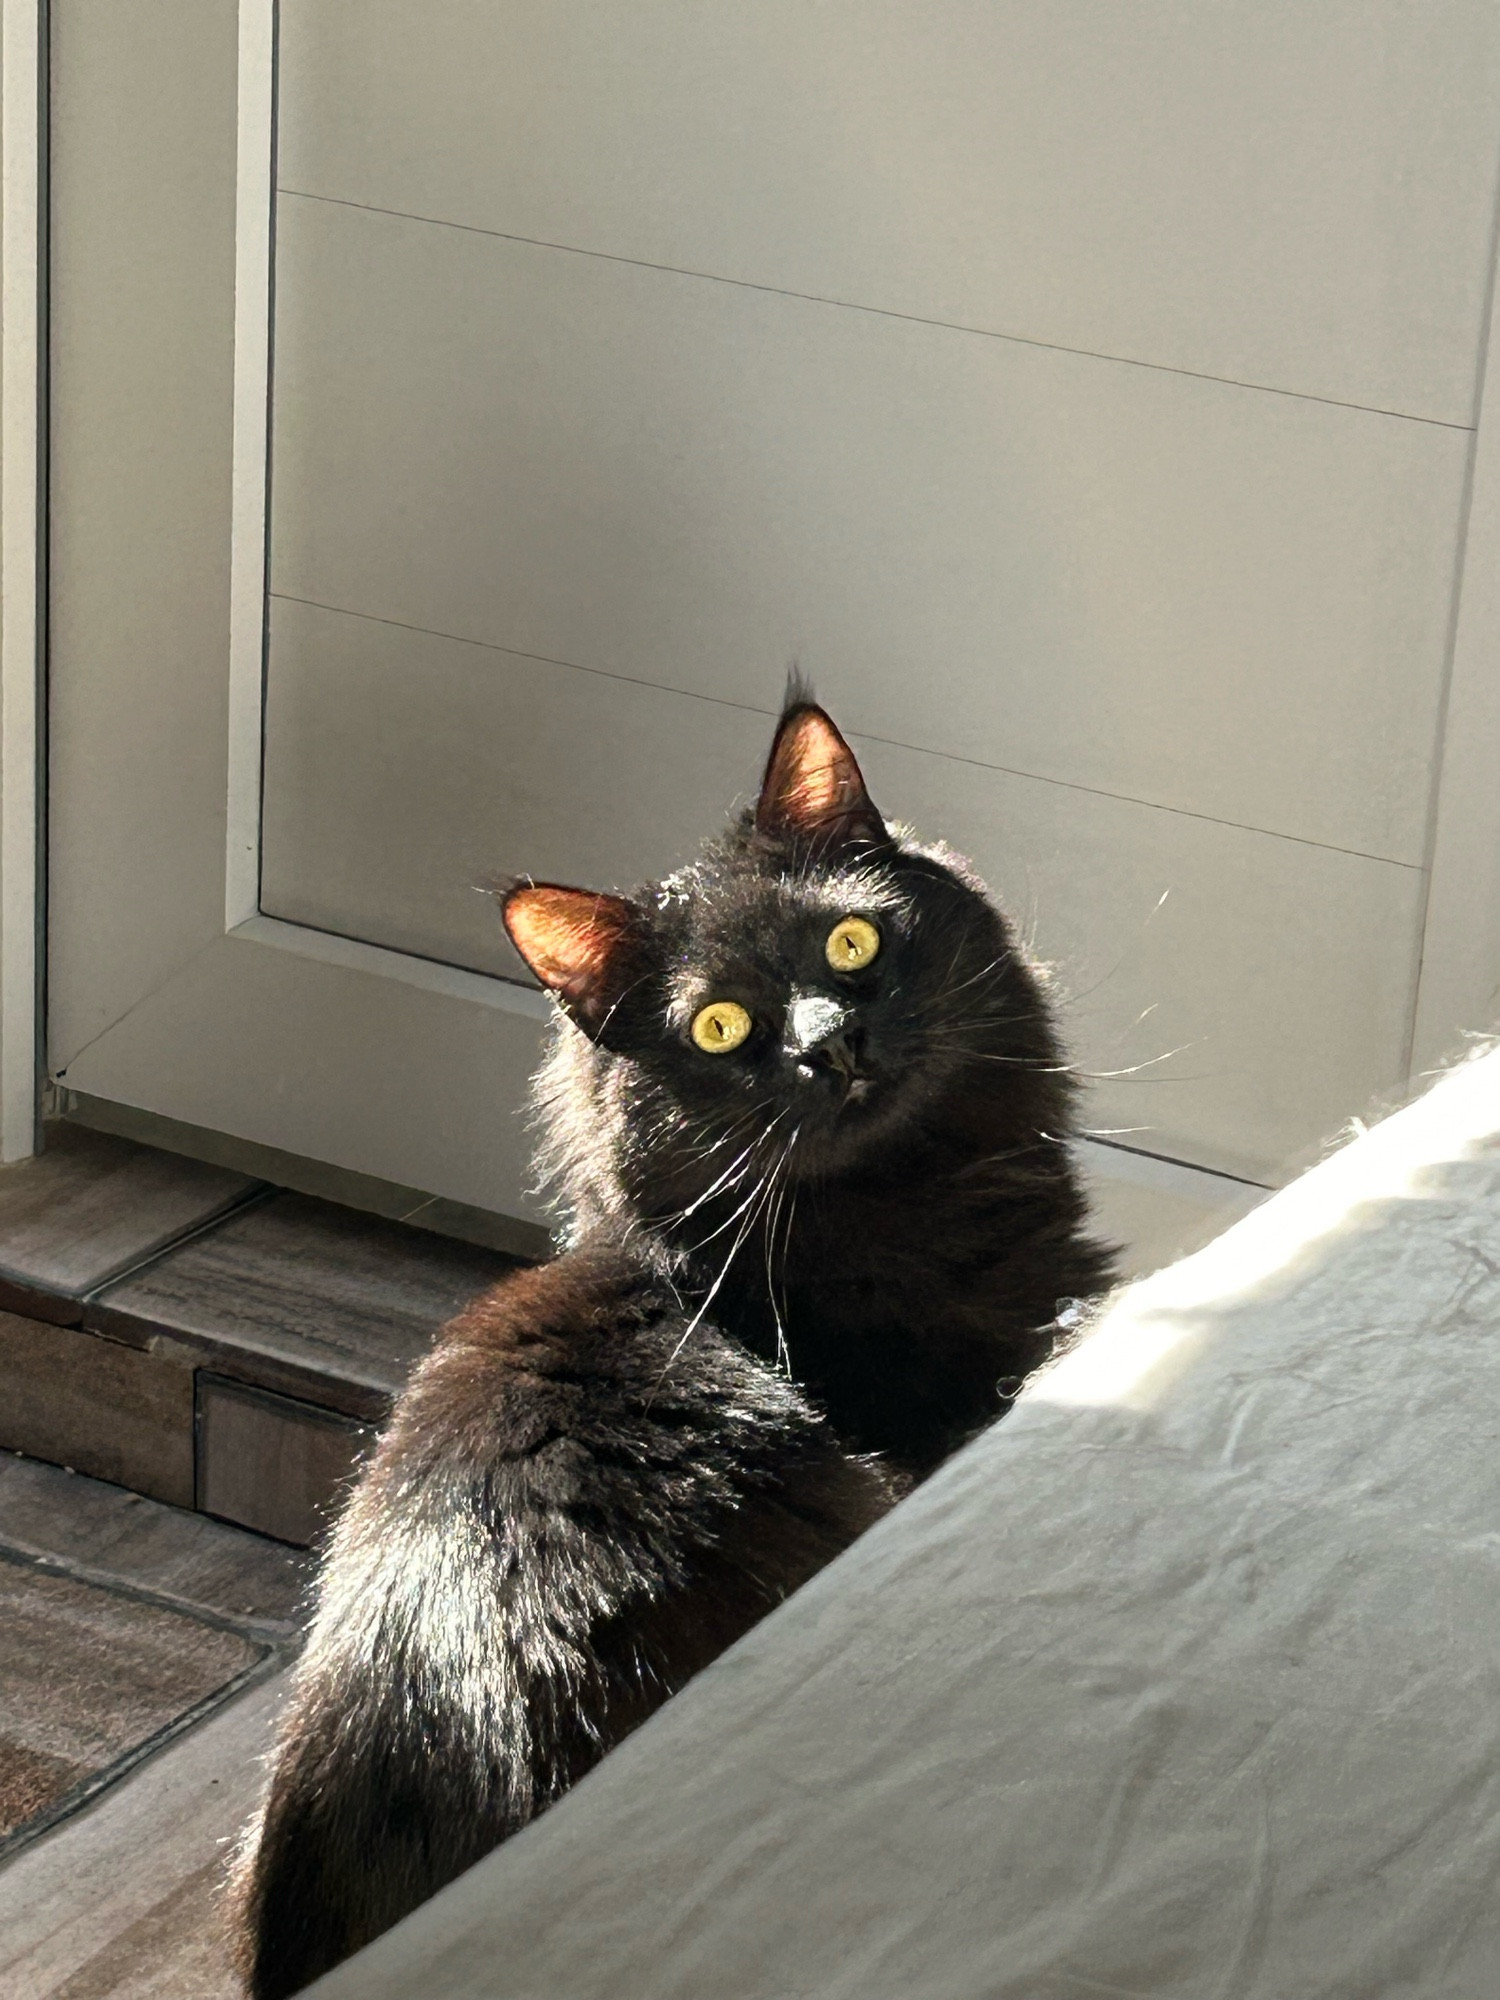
806, 1116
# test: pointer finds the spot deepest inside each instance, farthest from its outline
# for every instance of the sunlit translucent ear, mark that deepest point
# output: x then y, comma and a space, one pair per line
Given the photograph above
812, 788
580, 943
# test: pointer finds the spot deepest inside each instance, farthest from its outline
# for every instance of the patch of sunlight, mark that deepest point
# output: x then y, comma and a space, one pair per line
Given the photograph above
1173, 1308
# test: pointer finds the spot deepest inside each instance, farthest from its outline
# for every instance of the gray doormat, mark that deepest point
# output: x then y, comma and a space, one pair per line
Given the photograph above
93, 1678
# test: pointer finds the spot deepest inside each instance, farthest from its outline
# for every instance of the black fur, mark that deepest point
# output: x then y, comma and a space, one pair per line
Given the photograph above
796, 1276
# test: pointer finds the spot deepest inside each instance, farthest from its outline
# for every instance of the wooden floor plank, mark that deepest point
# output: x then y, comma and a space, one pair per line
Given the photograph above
273, 1463
173, 1951
119, 1413
122, 1900
102, 1532
305, 1298
92, 1206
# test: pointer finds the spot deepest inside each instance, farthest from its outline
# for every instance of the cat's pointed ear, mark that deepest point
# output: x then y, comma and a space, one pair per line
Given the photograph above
585, 946
813, 788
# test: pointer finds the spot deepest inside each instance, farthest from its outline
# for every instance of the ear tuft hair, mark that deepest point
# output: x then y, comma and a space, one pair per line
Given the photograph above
799, 691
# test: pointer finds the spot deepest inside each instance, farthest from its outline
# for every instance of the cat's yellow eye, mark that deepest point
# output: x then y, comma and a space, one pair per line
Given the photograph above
720, 1026
852, 943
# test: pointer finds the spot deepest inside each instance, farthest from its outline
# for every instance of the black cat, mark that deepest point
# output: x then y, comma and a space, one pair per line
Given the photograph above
806, 1118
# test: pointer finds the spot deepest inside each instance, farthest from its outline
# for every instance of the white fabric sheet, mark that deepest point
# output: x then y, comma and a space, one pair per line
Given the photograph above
1182, 1681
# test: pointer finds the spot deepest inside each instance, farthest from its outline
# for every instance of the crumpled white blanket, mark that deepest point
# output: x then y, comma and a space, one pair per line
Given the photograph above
1184, 1681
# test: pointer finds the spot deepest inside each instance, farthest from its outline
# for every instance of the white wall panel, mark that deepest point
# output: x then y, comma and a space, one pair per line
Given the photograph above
1289, 194
141, 360
401, 767
1192, 594
1282, 973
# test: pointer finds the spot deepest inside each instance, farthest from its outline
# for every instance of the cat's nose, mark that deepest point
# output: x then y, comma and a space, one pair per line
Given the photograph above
820, 1034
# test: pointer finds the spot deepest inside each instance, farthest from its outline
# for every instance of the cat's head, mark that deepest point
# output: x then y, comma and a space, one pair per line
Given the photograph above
817, 988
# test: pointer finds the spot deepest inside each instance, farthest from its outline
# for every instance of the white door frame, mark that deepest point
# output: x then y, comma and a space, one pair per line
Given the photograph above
1458, 990
22, 250
254, 236
255, 210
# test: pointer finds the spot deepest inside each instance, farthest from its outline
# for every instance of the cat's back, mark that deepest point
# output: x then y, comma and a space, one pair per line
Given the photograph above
575, 1387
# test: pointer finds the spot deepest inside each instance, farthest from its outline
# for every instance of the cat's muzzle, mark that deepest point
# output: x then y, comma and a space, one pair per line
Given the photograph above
824, 1040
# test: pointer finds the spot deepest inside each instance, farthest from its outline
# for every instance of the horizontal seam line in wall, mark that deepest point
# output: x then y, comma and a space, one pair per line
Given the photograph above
865, 735
880, 312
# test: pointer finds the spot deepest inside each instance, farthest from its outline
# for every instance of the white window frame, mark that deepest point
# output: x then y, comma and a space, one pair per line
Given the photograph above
22, 385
